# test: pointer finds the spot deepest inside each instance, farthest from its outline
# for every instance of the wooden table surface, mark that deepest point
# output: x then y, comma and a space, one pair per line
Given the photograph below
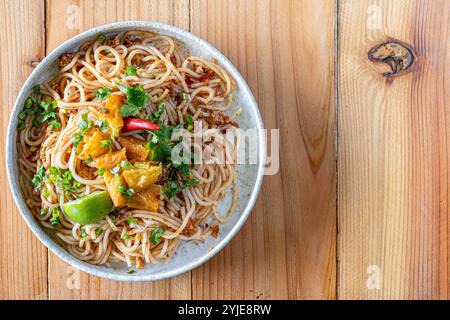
359, 208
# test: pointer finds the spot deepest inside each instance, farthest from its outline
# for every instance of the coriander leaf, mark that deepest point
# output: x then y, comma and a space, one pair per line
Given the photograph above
137, 99
156, 235
161, 144
64, 180
137, 96
48, 114
101, 38
20, 125
23, 115
190, 182
171, 188
128, 110
161, 152
36, 89
38, 178
55, 124
156, 116
29, 102
183, 167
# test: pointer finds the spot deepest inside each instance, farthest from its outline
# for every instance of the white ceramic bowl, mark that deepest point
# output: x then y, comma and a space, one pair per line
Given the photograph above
189, 255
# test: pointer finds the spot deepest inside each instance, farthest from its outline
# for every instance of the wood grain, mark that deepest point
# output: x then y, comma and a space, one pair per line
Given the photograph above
23, 260
64, 20
393, 153
287, 247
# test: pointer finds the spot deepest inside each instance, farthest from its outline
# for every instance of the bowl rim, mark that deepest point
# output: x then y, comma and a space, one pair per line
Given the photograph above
31, 221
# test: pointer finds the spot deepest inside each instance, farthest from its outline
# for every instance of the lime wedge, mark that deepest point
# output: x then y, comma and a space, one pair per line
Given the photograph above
89, 209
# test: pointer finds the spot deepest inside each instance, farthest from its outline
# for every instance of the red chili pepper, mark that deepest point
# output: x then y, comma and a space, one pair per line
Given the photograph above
188, 81
206, 76
131, 124
31, 156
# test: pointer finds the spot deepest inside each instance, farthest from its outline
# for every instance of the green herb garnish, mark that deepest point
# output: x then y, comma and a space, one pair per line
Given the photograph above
189, 122
98, 231
38, 178
137, 99
103, 93
102, 125
85, 125
126, 192
49, 114
76, 138
64, 180
156, 235
184, 96
161, 144
44, 112
36, 89
172, 188
131, 71
125, 164
20, 125
115, 170
46, 193
106, 143
54, 220
89, 159
132, 221
101, 38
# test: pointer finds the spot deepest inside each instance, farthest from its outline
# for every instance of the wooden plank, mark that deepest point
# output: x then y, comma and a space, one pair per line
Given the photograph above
285, 51
23, 260
64, 20
393, 158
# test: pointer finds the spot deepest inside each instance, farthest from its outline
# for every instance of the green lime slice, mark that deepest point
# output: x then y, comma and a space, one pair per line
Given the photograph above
89, 209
